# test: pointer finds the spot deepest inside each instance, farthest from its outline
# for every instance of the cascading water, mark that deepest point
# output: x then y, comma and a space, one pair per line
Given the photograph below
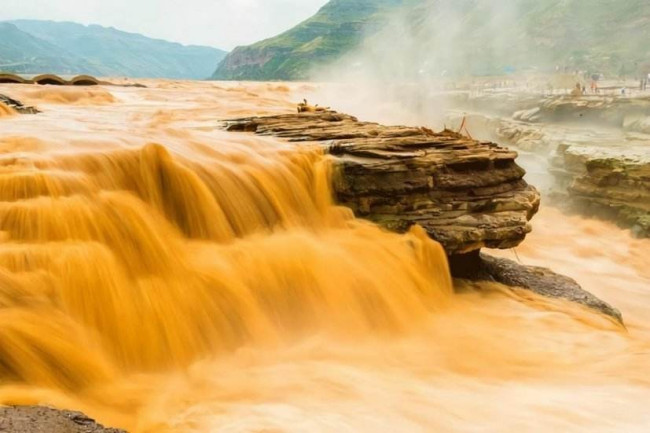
165, 276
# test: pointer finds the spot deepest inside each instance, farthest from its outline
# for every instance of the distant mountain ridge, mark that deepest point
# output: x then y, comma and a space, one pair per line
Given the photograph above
456, 37
32, 46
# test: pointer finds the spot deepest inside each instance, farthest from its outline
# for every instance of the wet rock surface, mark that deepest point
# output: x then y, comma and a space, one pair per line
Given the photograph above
17, 105
467, 194
543, 282
33, 419
478, 266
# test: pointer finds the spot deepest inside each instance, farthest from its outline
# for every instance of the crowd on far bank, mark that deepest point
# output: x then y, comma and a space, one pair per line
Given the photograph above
581, 89
575, 84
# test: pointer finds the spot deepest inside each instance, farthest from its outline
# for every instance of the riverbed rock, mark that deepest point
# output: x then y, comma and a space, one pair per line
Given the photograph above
467, 194
34, 419
544, 282
17, 105
479, 267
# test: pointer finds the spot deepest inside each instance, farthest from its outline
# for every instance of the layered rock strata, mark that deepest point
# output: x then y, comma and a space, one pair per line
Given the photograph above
602, 172
467, 194
604, 183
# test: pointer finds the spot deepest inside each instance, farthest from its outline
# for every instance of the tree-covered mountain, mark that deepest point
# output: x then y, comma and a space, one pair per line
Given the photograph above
29, 46
455, 37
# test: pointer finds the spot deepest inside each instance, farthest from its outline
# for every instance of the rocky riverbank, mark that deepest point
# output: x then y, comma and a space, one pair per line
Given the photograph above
34, 419
608, 183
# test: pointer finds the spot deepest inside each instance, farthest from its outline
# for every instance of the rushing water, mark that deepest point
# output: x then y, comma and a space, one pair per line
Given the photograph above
166, 276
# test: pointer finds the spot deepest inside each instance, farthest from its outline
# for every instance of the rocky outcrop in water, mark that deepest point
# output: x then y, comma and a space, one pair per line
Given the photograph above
478, 266
543, 282
467, 194
32, 419
17, 105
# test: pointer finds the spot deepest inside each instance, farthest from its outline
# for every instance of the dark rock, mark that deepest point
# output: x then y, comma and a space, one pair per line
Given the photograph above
541, 281
17, 105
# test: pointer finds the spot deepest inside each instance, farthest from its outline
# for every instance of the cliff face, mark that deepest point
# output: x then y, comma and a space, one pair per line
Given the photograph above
252, 63
466, 194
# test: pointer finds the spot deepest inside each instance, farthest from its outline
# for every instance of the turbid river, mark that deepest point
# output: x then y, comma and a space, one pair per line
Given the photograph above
163, 275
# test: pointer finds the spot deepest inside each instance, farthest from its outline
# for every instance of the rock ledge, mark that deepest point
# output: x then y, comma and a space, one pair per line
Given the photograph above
467, 194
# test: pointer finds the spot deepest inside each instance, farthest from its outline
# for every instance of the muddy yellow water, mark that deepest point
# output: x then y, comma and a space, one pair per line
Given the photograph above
163, 275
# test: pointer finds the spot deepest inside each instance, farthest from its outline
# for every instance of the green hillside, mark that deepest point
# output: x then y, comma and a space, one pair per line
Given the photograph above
456, 37
28, 46
338, 27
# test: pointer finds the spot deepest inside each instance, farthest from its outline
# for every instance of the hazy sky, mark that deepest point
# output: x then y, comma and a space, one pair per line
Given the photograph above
219, 23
